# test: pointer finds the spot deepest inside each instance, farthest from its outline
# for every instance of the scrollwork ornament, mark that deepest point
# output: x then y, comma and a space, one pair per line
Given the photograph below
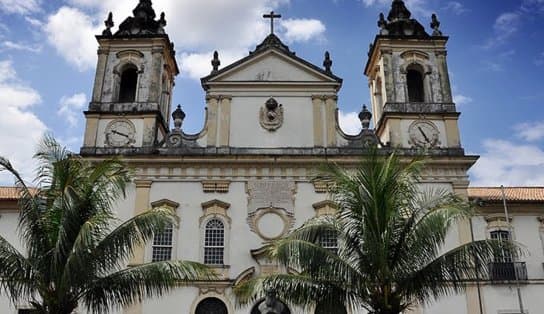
271, 115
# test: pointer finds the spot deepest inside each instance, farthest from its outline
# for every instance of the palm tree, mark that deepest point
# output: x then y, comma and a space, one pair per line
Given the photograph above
390, 254
76, 251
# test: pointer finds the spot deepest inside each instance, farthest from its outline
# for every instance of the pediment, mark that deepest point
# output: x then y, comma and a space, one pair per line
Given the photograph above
272, 66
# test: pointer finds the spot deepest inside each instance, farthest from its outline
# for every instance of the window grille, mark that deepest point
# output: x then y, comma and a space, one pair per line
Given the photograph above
162, 245
214, 242
329, 241
502, 256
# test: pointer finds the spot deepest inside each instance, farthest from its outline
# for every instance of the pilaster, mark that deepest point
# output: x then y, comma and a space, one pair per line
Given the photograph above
212, 120
317, 102
330, 117
155, 77
100, 73
444, 76
452, 132
91, 129
224, 121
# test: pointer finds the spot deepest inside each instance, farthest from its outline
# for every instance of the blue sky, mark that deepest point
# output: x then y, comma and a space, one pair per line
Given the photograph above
496, 62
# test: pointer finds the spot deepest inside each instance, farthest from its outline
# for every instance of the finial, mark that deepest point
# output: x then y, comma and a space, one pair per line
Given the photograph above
435, 25
178, 116
365, 117
162, 20
109, 24
215, 62
382, 24
327, 63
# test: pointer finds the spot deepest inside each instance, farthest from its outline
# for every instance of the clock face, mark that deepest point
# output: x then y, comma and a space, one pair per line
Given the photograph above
120, 133
424, 134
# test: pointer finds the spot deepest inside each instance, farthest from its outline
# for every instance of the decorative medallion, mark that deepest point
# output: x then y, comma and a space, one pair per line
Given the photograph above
271, 115
424, 134
271, 223
120, 133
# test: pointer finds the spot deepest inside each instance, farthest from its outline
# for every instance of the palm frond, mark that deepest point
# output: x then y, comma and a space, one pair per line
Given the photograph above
132, 285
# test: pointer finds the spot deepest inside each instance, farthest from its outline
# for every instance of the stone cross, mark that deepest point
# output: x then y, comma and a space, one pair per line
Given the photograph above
272, 16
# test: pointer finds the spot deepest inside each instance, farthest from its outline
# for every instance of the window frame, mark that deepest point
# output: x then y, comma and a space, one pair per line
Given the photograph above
171, 229
204, 240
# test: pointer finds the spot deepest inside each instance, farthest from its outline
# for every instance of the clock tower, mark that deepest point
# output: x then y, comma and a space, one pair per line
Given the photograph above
132, 90
409, 84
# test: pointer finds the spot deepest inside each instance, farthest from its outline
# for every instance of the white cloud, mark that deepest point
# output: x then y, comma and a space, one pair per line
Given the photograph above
508, 163
70, 107
530, 131
72, 33
10, 45
196, 27
19, 127
198, 65
20, 6
456, 7
349, 122
302, 30
461, 99
505, 26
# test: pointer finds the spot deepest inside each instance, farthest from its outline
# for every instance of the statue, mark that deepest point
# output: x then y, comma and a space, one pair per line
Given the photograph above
271, 304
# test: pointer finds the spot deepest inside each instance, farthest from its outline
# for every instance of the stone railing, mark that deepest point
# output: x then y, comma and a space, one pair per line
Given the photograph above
420, 107
124, 107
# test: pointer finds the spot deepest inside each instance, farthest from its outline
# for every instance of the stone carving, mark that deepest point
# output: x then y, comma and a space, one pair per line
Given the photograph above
271, 193
271, 305
271, 115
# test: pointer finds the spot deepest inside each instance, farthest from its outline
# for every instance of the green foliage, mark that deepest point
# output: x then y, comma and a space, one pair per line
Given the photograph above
76, 250
391, 235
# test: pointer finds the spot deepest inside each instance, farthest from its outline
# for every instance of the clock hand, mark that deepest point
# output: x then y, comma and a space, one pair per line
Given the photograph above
424, 135
119, 133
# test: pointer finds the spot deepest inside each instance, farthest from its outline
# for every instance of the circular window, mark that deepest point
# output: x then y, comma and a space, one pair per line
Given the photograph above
211, 306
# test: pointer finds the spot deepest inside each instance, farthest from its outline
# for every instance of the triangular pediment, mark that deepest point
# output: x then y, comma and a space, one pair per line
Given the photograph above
272, 65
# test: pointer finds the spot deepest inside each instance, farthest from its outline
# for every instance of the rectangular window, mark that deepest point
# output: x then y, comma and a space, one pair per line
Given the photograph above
329, 241
162, 245
502, 256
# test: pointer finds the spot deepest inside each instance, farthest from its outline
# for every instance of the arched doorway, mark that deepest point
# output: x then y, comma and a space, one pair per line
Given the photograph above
211, 306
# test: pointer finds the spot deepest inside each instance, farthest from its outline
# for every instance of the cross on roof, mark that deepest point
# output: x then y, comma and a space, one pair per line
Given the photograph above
272, 16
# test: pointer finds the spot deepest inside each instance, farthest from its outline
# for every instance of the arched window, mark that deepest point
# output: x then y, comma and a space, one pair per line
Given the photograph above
414, 80
211, 306
162, 245
129, 81
214, 242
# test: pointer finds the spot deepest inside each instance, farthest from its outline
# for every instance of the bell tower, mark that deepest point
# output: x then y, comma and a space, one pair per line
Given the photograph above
409, 84
132, 91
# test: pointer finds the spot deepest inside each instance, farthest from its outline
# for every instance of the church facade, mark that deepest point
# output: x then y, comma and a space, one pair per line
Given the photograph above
271, 119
